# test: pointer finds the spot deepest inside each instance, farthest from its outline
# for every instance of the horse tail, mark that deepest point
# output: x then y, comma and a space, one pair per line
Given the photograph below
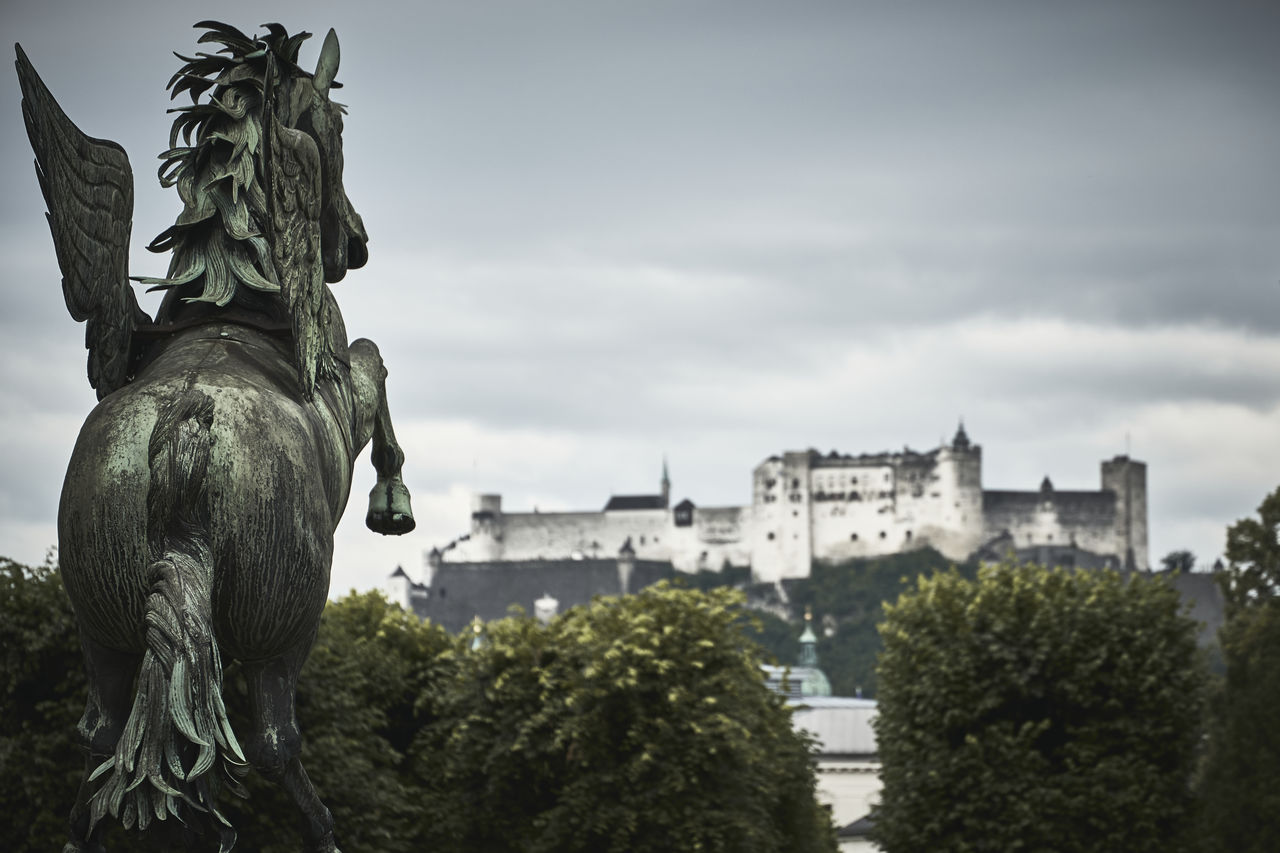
178, 728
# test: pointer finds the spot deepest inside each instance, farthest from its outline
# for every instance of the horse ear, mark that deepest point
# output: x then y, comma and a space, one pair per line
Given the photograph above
327, 66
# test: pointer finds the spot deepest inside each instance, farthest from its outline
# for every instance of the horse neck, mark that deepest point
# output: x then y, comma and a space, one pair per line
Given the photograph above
250, 308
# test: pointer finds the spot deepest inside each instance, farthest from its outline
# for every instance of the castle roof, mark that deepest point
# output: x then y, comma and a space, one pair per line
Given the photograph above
628, 502
461, 591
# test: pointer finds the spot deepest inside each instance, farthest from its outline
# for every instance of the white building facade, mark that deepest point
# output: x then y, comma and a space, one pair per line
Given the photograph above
807, 506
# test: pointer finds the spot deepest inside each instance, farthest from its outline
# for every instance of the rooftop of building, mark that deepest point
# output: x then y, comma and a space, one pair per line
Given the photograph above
630, 502
459, 592
835, 459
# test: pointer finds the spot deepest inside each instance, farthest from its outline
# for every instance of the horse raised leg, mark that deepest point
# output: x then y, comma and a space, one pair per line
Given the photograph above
275, 746
389, 510
111, 676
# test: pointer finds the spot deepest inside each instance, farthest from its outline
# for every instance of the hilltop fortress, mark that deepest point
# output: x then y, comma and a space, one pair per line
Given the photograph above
808, 506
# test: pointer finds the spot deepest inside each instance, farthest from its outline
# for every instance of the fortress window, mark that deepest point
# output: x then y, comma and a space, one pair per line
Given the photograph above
908, 535
853, 537
770, 536
854, 481
881, 534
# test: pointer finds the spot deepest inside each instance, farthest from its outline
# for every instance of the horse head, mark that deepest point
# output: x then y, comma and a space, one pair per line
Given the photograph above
260, 175
306, 106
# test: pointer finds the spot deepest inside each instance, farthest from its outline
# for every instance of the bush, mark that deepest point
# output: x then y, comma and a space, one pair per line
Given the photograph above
1037, 710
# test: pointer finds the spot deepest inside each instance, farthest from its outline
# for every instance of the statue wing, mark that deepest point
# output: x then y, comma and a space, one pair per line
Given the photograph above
88, 188
293, 170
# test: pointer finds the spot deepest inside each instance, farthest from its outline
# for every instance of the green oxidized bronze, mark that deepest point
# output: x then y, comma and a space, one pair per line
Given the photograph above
198, 511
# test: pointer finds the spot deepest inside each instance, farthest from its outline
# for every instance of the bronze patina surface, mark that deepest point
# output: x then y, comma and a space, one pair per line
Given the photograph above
197, 515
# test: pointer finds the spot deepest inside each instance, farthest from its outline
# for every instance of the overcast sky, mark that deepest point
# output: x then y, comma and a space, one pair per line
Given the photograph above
605, 232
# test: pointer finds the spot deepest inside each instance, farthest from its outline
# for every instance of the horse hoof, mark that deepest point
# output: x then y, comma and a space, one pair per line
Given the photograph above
389, 510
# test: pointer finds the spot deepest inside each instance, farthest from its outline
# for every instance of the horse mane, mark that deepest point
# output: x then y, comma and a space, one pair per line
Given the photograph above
219, 177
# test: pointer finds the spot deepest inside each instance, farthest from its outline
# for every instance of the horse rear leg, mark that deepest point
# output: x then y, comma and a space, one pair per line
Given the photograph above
275, 747
111, 675
389, 510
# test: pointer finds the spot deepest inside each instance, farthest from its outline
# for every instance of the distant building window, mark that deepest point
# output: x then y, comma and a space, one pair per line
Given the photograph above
853, 537
881, 534
770, 536
908, 535
795, 483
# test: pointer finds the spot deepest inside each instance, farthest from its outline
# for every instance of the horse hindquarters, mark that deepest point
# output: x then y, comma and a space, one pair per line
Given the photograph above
177, 730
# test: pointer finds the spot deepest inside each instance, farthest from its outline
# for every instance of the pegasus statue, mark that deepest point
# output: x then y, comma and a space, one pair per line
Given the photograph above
197, 515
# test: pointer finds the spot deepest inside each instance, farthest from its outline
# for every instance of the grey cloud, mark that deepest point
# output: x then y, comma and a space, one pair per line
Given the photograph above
661, 226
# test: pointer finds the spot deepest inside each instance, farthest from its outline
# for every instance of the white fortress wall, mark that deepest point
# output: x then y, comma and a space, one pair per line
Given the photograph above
855, 509
1083, 519
717, 536
833, 507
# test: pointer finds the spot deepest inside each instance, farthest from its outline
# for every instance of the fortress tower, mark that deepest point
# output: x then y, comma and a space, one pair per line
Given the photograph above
953, 515
486, 527
1127, 478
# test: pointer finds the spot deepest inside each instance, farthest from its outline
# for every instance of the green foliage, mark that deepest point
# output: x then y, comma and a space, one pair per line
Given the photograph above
1037, 710
42, 690
705, 580
639, 724
635, 724
1240, 788
1178, 561
850, 597
1253, 557
357, 708
778, 638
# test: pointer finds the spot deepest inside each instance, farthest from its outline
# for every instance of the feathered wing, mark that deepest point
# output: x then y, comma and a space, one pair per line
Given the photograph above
88, 188
294, 197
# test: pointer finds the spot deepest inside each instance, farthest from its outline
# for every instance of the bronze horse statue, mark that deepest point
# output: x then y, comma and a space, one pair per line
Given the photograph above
198, 512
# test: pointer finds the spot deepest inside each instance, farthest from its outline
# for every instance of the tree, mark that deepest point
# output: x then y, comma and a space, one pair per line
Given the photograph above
1037, 710
42, 693
635, 724
850, 594
639, 723
357, 706
1178, 561
1252, 577
1240, 788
